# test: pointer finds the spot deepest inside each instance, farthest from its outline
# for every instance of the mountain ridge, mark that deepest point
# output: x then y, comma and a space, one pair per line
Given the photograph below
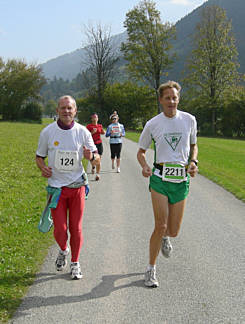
67, 66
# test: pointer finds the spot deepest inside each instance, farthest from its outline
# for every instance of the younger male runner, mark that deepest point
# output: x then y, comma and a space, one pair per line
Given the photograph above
174, 134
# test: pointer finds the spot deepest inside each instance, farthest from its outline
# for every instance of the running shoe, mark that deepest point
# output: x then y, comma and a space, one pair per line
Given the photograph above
61, 261
97, 178
76, 271
166, 247
118, 170
150, 278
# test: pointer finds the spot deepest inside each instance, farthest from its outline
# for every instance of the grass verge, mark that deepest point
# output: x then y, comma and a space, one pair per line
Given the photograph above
220, 160
22, 198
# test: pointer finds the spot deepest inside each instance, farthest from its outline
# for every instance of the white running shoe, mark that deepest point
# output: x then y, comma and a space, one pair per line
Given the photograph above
76, 271
118, 170
61, 261
166, 247
150, 278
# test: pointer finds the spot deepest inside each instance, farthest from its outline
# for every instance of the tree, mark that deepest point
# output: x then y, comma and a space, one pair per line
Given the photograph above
50, 108
232, 121
148, 45
213, 62
32, 111
100, 59
134, 104
19, 83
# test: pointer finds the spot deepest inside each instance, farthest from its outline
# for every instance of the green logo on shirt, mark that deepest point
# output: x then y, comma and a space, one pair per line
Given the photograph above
173, 139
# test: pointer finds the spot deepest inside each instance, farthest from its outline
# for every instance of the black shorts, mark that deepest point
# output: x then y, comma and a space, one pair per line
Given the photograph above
116, 150
99, 148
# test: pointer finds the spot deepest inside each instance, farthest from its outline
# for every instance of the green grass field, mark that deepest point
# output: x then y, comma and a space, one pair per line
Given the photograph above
220, 160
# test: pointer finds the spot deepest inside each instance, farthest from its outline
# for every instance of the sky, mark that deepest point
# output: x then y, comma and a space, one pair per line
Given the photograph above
39, 30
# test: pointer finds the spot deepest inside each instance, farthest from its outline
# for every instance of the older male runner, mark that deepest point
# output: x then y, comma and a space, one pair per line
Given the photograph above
65, 143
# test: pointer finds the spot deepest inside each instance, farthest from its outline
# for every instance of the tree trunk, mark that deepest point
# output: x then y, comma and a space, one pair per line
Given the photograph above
214, 121
159, 108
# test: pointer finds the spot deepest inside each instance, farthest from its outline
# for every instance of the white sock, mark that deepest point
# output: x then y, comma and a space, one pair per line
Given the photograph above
150, 267
65, 252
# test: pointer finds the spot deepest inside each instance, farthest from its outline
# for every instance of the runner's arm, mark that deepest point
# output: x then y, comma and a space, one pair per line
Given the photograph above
193, 152
90, 151
123, 131
108, 132
91, 156
46, 171
146, 170
102, 130
41, 153
192, 169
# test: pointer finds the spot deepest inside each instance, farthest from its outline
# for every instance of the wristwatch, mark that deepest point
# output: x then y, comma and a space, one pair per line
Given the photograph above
195, 161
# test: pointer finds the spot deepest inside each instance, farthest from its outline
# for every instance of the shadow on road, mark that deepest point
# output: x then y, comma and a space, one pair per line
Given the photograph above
103, 289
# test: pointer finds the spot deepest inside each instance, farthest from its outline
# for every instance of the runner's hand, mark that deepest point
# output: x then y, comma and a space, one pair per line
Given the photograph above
46, 172
87, 153
146, 171
192, 169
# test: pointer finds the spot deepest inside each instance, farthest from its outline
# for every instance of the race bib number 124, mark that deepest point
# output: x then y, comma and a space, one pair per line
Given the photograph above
66, 160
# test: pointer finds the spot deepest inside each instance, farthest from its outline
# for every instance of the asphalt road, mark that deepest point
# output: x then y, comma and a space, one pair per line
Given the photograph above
203, 281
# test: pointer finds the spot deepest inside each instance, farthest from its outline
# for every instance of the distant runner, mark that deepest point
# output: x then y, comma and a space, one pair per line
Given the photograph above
174, 134
116, 132
96, 130
65, 143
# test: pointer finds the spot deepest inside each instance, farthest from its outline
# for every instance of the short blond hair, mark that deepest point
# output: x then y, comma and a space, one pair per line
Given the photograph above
67, 97
168, 85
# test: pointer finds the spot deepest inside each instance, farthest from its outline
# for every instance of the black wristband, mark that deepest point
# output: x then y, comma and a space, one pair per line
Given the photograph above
195, 161
92, 158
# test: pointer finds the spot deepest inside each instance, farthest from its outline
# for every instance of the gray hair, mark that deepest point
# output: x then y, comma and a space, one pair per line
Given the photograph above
67, 97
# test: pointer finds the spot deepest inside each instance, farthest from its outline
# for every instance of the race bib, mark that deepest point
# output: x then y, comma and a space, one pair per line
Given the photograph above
174, 173
116, 130
66, 161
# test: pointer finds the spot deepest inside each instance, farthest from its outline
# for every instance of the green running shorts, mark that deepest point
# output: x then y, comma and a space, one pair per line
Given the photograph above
174, 191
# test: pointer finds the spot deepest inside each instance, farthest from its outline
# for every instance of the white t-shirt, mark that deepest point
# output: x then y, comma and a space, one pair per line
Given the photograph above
64, 149
172, 137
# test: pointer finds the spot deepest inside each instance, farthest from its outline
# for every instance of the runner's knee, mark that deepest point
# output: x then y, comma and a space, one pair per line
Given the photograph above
173, 234
161, 229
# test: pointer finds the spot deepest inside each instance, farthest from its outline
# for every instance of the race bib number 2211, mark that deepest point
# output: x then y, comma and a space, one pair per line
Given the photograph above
174, 173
